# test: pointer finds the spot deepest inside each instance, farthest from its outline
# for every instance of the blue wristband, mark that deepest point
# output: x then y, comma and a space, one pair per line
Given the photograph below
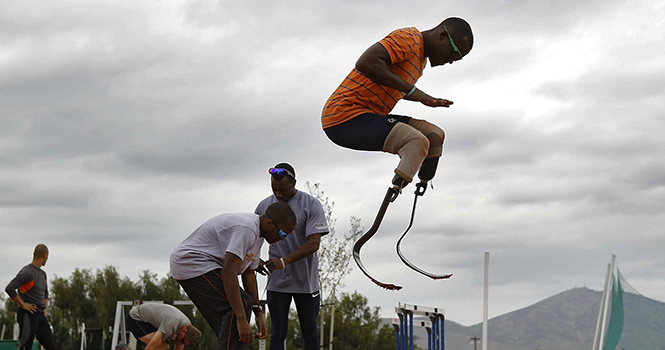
412, 90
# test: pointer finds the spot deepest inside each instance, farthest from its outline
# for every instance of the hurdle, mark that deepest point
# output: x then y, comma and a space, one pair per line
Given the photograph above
404, 326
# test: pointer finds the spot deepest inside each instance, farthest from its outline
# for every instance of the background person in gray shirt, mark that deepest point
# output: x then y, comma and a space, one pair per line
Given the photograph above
294, 262
160, 326
207, 264
29, 289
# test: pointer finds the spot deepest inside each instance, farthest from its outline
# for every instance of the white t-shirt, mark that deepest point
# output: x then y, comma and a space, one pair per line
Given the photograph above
204, 250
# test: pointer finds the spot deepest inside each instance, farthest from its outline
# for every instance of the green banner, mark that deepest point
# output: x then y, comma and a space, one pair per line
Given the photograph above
615, 327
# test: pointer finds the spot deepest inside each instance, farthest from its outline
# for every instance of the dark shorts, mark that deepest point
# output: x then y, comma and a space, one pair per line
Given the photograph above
139, 328
366, 132
208, 294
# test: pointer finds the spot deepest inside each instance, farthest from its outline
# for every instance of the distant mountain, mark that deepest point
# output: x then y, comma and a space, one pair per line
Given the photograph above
566, 321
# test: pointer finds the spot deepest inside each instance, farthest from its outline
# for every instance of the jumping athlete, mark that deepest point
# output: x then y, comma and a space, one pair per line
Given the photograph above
32, 299
357, 115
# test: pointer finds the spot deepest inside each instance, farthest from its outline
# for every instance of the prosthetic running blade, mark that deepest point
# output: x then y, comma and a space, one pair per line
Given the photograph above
391, 194
420, 190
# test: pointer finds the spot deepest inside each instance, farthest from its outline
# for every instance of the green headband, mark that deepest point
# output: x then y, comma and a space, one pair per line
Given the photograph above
453, 43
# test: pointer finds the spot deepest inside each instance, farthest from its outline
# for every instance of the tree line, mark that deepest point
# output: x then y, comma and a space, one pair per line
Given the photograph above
87, 297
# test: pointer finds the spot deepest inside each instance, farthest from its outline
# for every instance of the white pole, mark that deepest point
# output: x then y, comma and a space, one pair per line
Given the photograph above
83, 340
119, 319
332, 320
608, 287
486, 298
601, 310
332, 326
323, 321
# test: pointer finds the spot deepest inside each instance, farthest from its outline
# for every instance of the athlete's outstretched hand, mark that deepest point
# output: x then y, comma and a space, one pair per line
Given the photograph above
428, 100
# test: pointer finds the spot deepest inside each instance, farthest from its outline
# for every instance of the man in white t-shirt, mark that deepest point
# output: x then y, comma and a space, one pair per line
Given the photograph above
207, 264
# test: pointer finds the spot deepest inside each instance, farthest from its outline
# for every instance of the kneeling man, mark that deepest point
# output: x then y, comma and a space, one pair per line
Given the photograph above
160, 325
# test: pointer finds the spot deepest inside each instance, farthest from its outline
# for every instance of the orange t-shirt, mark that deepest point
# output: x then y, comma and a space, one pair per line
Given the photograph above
357, 94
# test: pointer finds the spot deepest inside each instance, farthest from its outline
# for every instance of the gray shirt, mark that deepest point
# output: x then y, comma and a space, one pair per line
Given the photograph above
299, 276
204, 250
166, 318
31, 285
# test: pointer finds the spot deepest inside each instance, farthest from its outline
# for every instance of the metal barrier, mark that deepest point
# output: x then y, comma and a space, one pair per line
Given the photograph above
404, 326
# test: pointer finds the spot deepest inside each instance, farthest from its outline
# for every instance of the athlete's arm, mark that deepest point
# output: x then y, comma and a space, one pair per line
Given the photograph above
230, 275
11, 290
29, 307
308, 248
156, 342
427, 100
251, 287
374, 63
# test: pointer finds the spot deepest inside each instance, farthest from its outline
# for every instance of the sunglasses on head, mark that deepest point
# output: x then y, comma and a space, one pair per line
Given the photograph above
279, 172
282, 234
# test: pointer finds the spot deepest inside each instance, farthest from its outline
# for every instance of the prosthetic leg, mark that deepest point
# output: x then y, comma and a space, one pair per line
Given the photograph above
420, 190
390, 197
413, 143
435, 136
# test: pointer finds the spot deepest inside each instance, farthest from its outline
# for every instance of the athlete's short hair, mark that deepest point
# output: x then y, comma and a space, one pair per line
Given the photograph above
461, 27
40, 251
281, 213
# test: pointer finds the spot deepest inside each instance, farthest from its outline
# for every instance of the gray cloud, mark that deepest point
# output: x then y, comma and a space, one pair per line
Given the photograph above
125, 126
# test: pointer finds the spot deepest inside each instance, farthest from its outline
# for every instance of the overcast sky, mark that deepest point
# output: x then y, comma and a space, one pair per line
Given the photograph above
124, 126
